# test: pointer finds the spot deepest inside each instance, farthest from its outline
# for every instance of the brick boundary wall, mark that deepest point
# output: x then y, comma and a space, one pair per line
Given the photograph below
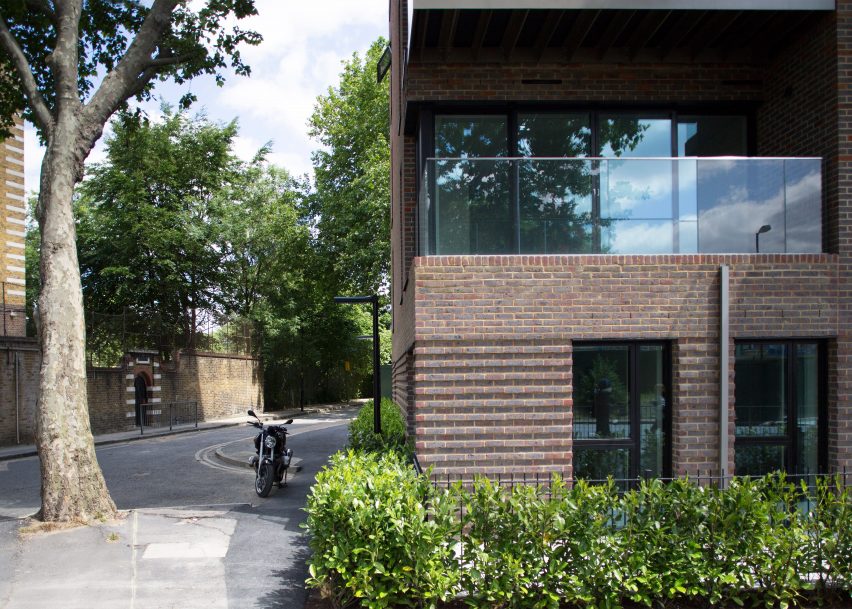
494, 336
223, 385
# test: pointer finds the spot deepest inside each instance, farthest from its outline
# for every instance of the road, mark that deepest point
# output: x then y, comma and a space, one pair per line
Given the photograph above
260, 547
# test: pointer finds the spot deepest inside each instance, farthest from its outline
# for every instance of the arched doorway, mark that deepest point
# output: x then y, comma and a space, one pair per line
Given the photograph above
140, 385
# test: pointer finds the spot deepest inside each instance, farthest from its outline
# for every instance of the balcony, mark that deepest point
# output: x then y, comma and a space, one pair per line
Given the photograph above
691, 205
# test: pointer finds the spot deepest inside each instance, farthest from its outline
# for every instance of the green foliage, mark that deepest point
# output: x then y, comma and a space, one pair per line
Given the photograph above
363, 439
759, 542
202, 41
149, 217
380, 534
351, 205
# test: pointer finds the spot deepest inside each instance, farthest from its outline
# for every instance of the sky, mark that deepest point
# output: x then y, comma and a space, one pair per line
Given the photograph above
305, 43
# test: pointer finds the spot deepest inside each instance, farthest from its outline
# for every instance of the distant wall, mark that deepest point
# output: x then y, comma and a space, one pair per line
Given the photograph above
224, 385
18, 384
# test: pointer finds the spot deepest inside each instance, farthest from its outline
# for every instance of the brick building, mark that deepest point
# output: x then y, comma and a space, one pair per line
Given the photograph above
622, 234
12, 227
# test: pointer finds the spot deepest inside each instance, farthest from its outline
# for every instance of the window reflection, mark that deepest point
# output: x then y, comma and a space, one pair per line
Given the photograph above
555, 199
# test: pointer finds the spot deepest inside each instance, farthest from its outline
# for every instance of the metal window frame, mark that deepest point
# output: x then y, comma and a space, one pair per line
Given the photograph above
634, 443
790, 439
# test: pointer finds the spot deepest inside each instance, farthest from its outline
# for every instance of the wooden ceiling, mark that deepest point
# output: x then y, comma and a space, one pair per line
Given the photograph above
592, 35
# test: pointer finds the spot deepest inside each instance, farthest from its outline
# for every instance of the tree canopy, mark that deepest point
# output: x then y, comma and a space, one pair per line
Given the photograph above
351, 205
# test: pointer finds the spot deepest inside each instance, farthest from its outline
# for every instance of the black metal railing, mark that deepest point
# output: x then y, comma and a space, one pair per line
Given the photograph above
169, 414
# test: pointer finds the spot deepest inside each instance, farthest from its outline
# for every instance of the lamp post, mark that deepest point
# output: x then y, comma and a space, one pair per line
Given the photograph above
763, 229
377, 379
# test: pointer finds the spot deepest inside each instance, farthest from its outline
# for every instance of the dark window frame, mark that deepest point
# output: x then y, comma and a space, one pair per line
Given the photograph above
634, 443
790, 439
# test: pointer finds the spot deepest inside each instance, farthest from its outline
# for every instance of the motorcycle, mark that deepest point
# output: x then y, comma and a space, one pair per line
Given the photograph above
273, 457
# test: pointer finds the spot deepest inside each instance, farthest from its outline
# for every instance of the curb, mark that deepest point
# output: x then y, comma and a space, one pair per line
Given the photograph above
295, 464
266, 416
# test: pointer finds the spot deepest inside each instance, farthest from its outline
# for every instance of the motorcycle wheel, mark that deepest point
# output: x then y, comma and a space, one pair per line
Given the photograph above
263, 480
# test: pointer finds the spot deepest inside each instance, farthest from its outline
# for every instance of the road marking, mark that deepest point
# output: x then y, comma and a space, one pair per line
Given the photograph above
186, 550
133, 560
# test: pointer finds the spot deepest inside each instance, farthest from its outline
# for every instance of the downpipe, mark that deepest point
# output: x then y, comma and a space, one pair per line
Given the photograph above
17, 398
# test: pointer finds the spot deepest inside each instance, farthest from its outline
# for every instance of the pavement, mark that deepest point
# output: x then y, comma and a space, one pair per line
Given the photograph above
232, 556
230, 454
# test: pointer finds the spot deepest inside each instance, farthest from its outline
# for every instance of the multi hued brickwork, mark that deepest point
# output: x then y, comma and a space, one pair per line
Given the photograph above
483, 344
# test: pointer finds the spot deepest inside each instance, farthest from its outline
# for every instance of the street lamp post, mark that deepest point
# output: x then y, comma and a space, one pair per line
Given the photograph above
377, 379
763, 229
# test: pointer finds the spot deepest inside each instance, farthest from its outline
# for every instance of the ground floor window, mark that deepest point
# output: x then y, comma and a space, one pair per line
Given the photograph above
780, 407
621, 414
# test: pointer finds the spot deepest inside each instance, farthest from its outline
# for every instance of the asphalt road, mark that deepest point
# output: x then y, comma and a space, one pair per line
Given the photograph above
260, 547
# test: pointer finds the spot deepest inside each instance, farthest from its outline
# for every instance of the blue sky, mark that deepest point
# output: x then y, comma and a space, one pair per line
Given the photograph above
300, 57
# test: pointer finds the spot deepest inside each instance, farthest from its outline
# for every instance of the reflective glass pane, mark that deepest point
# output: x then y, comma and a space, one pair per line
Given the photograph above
652, 409
735, 199
807, 408
761, 388
554, 135
634, 136
711, 136
601, 392
758, 460
470, 136
473, 214
555, 206
637, 189
637, 236
598, 463
803, 197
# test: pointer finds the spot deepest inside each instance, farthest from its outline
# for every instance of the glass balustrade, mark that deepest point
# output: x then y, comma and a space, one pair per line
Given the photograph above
620, 206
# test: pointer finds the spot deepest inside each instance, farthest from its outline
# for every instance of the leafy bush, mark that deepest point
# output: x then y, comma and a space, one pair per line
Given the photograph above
375, 538
361, 435
763, 541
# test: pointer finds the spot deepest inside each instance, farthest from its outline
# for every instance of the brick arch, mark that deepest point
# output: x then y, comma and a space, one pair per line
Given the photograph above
149, 381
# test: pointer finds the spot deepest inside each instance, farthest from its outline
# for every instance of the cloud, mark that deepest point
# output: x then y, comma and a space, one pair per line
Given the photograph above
301, 56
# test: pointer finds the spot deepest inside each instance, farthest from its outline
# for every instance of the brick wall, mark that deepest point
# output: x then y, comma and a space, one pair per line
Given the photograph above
840, 427
511, 306
494, 336
107, 393
19, 381
223, 385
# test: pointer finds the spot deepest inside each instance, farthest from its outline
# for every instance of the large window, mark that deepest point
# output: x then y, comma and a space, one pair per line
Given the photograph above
572, 182
621, 413
780, 407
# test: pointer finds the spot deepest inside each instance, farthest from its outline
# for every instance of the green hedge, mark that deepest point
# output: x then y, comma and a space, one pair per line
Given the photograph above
363, 439
373, 537
388, 537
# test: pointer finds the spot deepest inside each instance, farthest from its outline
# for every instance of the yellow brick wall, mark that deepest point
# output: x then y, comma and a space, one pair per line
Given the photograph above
12, 217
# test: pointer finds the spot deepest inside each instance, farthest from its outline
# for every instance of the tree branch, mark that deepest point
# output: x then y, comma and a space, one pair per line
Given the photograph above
164, 61
41, 112
65, 57
130, 75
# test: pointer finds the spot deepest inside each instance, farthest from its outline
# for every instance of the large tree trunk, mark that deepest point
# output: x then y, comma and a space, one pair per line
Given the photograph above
73, 487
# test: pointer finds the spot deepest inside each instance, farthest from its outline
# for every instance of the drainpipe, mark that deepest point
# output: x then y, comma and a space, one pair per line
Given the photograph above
724, 366
17, 399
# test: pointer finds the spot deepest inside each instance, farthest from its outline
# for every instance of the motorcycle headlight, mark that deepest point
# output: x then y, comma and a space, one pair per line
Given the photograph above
270, 442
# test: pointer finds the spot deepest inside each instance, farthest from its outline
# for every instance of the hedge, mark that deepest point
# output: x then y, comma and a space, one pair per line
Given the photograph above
386, 537
362, 437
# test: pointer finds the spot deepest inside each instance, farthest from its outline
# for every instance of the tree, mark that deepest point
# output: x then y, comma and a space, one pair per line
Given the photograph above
55, 52
149, 220
351, 205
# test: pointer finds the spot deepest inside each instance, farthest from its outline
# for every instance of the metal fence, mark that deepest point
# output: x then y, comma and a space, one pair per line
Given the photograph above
169, 414
543, 481
110, 335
